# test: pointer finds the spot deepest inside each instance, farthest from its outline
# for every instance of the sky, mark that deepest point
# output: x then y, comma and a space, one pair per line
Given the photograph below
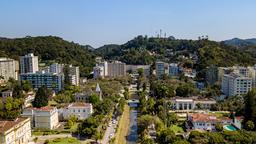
99, 22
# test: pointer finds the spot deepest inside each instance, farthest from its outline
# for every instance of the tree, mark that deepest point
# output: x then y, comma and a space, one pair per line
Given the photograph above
196, 137
250, 106
172, 118
26, 86
166, 136
219, 127
249, 125
41, 98
94, 99
215, 138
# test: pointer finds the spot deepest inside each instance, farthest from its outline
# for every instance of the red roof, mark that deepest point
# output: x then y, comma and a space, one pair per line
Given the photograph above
199, 117
80, 104
45, 108
5, 125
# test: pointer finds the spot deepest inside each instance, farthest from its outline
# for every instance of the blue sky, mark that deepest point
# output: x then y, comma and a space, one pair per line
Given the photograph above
99, 22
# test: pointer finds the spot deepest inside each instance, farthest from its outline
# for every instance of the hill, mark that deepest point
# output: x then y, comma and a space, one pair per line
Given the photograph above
240, 42
49, 48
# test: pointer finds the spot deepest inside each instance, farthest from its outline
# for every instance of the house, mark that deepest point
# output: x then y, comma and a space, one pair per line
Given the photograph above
6, 94
80, 110
200, 121
16, 131
44, 117
191, 103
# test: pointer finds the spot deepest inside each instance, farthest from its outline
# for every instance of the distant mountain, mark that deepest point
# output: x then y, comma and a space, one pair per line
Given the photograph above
240, 42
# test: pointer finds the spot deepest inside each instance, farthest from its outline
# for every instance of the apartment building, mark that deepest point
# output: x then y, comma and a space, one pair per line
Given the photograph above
28, 63
16, 131
74, 75
235, 84
52, 81
9, 68
116, 69
44, 117
173, 69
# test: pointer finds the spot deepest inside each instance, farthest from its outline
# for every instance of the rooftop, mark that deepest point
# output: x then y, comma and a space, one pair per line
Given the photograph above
45, 108
199, 117
5, 125
80, 104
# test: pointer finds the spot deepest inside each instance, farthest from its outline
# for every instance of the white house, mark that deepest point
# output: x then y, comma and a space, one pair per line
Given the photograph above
80, 110
44, 117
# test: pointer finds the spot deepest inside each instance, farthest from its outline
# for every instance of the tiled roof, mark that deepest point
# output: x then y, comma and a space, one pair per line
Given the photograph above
199, 117
80, 104
5, 125
45, 108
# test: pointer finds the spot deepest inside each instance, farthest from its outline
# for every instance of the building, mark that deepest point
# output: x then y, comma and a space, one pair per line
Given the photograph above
6, 94
104, 65
74, 75
28, 63
116, 69
173, 69
207, 122
83, 96
160, 68
98, 72
56, 68
191, 103
212, 75
235, 84
44, 117
16, 131
9, 68
80, 110
134, 69
51, 81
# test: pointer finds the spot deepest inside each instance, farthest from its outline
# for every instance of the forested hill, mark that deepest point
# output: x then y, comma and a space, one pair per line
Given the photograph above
49, 48
144, 50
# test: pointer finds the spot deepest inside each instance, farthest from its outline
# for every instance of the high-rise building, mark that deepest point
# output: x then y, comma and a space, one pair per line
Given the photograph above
56, 68
74, 75
212, 75
51, 81
173, 69
98, 72
116, 69
161, 68
235, 84
28, 63
9, 68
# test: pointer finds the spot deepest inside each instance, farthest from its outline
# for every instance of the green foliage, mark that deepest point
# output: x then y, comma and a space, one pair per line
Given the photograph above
249, 125
41, 98
166, 136
49, 48
94, 99
11, 109
185, 90
26, 86
219, 127
250, 106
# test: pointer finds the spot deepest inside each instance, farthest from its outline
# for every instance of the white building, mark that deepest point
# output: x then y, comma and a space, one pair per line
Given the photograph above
80, 110
161, 68
116, 69
28, 63
98, 72
235, 84
56, 68
199, 121
173, 69
44, 117
9, 68
191, 103
6, 94
16, 131
74, 75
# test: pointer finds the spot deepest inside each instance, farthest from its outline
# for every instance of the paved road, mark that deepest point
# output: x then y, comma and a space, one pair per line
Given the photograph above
133, 132
110, 130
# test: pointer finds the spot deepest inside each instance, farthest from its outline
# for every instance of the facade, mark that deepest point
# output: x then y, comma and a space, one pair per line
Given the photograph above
83, 97
51, 81
212, 75
74, 75
44, 117
235, 84
17, 131
173, 69
104, 65
134, 69
199, 121
9, 68
160, 68
28, 63
6, 94
192, 103
56, 68
116, 69
80, 110
98, 72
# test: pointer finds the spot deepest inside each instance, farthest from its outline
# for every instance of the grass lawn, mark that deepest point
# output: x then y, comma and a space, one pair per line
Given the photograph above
123, 126
64, 141
177, 129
